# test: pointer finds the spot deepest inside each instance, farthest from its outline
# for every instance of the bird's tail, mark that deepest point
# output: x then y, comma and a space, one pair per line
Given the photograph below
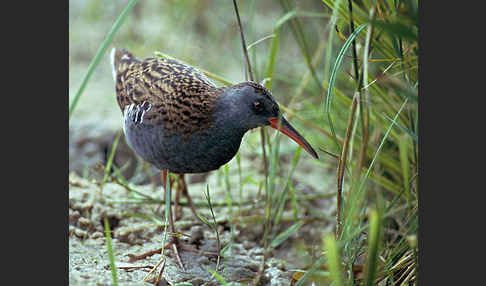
119, 56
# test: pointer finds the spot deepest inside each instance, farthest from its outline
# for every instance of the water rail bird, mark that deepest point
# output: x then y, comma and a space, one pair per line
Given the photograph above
175, 117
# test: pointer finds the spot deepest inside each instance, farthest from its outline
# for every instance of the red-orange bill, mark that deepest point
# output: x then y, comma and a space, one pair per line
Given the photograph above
290, 131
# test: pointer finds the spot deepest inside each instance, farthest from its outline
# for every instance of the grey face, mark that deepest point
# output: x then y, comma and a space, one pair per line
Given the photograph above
251, 106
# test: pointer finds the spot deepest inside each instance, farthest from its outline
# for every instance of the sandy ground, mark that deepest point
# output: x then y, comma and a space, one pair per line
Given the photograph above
88, 258
138, 228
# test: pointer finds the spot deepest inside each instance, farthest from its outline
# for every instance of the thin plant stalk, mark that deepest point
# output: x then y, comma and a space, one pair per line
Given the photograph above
342, 162
111, 255
363, 180
364, 104
214, 226
355, 55
271, 190
243, 42
272, 59
352, 205
168, 216
111, 157
268, 206
250, 74
283, 193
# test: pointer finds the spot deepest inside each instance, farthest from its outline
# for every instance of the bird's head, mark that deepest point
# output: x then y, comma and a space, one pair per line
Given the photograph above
251, 105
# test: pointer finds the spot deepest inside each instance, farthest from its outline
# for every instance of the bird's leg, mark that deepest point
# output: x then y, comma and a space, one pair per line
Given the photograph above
174, 242
183, 187
173, 239
164, 180
177, 208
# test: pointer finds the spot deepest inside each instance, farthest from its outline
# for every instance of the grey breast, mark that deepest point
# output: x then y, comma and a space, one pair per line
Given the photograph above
202, 151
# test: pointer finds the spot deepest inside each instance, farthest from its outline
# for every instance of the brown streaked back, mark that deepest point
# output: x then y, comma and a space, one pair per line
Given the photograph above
181, 97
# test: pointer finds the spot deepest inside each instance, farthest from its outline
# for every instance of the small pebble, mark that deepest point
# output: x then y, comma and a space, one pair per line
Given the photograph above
253, 266
203, 260
197, 234
73, 216
97, 235
197, 281
248, 244
84, 222
79, 233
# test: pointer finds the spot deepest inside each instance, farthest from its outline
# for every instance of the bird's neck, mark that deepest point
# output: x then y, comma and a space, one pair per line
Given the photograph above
227, 111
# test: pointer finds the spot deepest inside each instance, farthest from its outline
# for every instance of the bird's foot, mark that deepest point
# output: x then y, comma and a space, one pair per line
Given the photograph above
173, 245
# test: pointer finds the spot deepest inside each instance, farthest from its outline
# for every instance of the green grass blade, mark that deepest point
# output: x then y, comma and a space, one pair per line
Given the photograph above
100, 53
228, 246
272, 175
381, 144
311, 271
373, 247
283, 194
205, 220
282, 198
406, 130
111, 255
337, 65
294, 13
286, 234
356, 197
405, 163
240, 180
334, 260
272, 59
259, 41
110, 157
229, 202
270, 190
398, 29
332, 80
216, 275
212, 225
293, 201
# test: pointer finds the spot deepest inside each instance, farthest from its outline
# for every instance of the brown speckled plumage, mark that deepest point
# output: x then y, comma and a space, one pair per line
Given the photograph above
180, 96
175, 118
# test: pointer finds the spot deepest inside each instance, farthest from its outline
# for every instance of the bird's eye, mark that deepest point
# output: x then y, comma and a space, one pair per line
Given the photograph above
258, 105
